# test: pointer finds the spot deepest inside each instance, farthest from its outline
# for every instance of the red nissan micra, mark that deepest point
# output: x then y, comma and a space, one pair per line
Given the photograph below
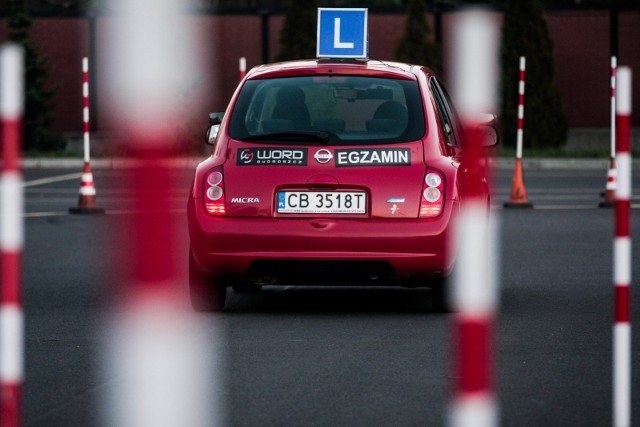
328, 172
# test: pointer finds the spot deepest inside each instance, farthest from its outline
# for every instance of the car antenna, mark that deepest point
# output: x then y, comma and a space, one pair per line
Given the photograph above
385, 63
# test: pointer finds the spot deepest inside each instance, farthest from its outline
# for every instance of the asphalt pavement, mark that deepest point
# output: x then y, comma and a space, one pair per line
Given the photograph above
339, 356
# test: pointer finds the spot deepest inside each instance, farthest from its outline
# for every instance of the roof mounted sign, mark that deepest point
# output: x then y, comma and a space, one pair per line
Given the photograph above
342, 33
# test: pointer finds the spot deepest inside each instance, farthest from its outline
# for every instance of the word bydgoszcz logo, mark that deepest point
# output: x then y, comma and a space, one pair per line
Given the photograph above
272, 156
373, 157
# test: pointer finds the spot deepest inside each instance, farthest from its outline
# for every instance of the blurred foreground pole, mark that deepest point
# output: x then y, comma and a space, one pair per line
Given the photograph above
622, 257
475, 285
158, 351
11, 234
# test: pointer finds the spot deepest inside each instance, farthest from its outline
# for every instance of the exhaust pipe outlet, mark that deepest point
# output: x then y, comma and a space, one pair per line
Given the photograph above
265, 281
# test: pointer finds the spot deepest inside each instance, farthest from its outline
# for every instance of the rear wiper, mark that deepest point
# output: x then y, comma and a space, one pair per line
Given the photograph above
290, 137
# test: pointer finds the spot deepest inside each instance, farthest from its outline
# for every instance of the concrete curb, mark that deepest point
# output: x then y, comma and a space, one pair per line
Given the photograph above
557, 164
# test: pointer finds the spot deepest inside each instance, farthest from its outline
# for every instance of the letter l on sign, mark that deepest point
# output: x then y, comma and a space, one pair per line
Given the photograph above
336, 37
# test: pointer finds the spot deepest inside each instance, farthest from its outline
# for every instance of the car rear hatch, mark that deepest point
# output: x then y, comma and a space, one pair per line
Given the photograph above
335, 145
297, 181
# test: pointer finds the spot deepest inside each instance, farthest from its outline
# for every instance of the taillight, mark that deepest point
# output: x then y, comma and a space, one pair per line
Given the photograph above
432, 200
214, 193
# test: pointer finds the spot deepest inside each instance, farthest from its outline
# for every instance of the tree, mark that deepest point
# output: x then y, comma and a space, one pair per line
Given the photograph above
39, 97
525, 33
415, 46
298, 36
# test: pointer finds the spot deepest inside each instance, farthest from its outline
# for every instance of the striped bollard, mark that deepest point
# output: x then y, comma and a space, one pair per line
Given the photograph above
87, 193
475, 285
162, 363
518, 197
622, 257
243, 67
610, 189
11, 235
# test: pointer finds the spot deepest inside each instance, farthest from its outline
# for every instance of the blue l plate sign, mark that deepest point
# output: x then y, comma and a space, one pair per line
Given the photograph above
342, 33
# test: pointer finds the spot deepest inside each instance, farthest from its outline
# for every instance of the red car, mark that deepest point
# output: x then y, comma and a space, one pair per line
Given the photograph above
328, 172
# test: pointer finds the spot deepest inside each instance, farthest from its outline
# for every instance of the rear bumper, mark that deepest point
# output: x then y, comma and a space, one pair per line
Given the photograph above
228, 247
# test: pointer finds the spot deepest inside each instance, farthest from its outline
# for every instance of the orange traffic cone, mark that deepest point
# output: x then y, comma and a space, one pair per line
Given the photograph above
518, 190
610, 190
87, 197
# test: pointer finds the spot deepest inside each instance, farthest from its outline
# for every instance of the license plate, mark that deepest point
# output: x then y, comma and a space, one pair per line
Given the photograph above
326, 202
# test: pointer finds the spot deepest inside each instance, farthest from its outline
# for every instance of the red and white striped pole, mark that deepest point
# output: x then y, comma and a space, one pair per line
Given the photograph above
622, 257
518, 197
85, 107
610, 189
87, 193
243, 67
11, 234
475, 285
521, 83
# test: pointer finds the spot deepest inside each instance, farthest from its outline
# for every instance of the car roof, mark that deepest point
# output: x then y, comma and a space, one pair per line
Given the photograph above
370, 67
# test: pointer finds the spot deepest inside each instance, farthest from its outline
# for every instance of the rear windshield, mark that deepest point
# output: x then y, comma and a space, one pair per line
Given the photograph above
349, 109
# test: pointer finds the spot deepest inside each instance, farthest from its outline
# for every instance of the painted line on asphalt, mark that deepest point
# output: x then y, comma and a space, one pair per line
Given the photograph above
52, 179
44, 214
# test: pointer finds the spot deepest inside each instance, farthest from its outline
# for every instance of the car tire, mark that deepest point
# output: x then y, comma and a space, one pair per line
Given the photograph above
440, 295
246, 288
207, 295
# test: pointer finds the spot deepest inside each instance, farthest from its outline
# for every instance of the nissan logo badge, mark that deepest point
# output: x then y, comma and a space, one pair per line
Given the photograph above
323, 156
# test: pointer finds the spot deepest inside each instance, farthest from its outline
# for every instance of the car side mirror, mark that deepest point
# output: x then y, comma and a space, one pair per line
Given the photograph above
488, 129
211, 134
215, 119
489, 136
